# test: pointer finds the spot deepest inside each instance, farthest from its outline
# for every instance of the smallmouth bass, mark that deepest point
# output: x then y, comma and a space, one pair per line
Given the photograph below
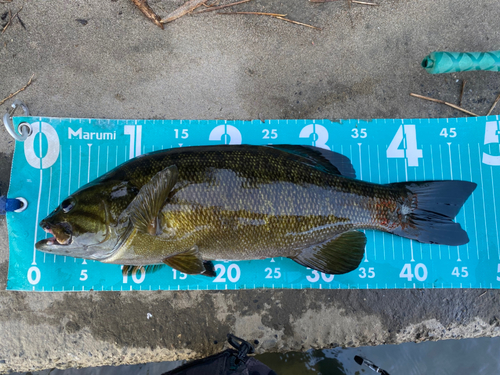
185, 207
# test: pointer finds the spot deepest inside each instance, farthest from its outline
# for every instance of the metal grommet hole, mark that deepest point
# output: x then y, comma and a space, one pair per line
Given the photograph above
24, 126
24, 205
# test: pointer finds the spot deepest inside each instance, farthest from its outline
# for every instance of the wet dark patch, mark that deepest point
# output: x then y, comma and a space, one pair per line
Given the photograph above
122, 318
5, 166
4, 269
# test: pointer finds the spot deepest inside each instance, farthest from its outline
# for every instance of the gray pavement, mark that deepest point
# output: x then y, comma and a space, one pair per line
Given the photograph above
363, 64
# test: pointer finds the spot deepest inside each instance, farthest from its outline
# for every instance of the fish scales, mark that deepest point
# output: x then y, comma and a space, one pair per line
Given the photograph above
244, 203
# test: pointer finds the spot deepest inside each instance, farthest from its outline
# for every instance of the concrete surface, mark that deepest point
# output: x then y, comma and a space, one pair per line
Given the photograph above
363, 64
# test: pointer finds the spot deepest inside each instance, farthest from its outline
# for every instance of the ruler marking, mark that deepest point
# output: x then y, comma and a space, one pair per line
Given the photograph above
39, 194
451, 174
107, 158
70, 162
60, 176
484, 201
79, 166
88, 171
50, 191
495, 211
389, 179
463, 208
473, 205
380, 181
98, 158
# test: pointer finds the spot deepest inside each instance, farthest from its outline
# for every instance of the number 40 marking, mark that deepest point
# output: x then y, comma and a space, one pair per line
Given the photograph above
407, 135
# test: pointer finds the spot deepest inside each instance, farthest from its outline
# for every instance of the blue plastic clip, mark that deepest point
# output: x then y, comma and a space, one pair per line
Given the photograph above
8, 205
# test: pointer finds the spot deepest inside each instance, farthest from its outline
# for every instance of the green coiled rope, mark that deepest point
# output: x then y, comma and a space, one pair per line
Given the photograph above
450, 62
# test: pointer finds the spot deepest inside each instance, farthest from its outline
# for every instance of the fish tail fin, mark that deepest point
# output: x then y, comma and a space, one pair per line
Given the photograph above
428, 210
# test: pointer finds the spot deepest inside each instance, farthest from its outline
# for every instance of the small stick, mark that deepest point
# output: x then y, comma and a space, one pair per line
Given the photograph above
148, 12
443, 102
363, 2
21, 22
494, 104
274, 15
18, 91
189, 6
298, 23
222, 6
482, 294
256, 13
462, 92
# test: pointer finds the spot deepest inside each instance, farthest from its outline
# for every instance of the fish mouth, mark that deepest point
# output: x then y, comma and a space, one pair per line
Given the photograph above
62, 235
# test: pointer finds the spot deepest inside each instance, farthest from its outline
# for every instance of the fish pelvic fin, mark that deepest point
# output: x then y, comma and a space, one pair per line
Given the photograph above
428, 211
340, 255
150, 268
191, 262
143, 211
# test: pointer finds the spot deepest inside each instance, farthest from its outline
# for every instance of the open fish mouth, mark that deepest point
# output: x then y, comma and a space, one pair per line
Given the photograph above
62, 235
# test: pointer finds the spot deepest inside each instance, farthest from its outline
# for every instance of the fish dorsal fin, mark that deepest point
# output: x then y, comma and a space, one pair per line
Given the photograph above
191, 262
330, 161
340, 255
144, 209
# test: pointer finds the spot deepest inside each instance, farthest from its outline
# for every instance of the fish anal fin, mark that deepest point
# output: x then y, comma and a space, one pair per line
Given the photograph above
337, 256
191, 263
143, 211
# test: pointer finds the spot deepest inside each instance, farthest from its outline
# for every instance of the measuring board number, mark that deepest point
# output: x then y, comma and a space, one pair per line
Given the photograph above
364, 273
460, 272
361, 133
419, 272
272, 274
273, 134
183, 133
233, 273
451, 132
316, 276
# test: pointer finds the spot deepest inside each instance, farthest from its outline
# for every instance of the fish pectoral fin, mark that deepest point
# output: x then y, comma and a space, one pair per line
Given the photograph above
146, 206
340, 255
191, 262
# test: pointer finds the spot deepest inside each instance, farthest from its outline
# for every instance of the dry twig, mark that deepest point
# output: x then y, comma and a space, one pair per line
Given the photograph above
298, 23
462, 93
18, 91
494, 104
189, 6
274, 15
148, 12
212, 8
443, 102
363, 2
256, 13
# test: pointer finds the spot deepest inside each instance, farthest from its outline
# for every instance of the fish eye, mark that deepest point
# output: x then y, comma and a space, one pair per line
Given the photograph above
67, 205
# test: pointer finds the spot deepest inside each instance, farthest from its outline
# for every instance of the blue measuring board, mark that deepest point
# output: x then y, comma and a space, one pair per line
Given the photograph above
63, 154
